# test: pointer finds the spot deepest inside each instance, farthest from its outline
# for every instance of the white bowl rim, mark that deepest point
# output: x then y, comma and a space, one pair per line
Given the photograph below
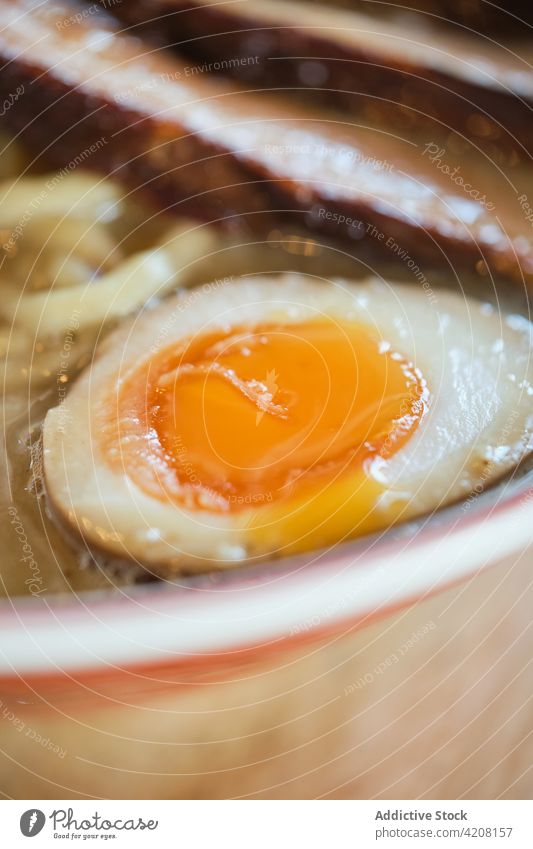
160, 626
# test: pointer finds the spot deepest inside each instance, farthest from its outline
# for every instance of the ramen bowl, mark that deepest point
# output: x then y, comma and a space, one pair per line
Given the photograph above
391, 665
396, 666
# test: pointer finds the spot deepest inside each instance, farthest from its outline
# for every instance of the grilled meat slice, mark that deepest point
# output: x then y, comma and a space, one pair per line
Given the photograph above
97, 97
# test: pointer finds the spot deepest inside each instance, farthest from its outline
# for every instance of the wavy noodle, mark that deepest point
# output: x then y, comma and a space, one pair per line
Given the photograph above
79, 254
76, 255
122, 290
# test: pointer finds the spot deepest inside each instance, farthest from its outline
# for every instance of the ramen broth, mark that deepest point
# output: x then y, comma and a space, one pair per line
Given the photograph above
83, 255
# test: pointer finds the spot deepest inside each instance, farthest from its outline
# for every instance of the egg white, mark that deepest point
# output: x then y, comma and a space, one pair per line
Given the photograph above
477, 365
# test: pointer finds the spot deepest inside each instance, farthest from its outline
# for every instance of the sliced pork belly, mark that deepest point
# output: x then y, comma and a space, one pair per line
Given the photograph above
410, 69
95, 97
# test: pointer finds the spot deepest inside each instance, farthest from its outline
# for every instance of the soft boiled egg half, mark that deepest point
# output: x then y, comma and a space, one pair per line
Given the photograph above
278, 414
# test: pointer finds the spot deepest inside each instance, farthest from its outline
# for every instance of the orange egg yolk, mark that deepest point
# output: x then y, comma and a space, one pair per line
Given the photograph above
263, 414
